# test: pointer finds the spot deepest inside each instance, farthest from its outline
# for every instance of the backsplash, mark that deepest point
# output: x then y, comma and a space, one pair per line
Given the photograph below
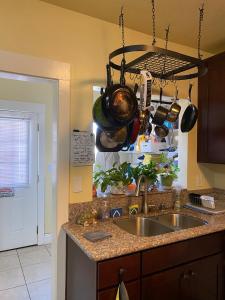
156, 198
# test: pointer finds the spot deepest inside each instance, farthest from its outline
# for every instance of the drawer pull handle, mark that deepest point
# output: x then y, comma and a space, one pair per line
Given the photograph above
121, 274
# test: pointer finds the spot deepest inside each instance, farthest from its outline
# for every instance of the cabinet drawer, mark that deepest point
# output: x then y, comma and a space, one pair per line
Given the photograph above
109, 270
171, 255
133, 290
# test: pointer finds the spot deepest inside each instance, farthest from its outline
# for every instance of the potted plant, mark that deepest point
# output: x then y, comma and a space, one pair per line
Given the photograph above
150, 170
168, 171
118, 178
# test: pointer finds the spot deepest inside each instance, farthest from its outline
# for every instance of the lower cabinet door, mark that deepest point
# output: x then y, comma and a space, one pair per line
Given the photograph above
133, 290
200, 280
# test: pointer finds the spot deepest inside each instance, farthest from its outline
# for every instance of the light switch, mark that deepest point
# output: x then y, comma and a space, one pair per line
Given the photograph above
77, 184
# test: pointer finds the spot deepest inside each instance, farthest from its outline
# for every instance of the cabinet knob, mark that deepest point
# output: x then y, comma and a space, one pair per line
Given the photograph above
185, 276
192, 273
121, 274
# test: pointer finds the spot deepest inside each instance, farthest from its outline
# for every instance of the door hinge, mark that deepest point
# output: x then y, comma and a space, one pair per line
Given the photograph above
38, 127
38, 178
37, 230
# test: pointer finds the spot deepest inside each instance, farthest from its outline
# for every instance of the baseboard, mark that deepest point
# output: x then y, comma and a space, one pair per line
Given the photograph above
48, 238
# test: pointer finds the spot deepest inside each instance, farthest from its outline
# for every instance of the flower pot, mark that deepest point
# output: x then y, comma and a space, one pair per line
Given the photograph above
118, 189
149, 185
166, 181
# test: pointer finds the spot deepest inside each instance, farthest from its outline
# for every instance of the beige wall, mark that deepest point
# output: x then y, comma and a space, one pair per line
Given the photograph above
37, 28
36, 92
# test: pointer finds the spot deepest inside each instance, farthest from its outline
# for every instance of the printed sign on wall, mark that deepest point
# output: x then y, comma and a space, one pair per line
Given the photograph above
82, 148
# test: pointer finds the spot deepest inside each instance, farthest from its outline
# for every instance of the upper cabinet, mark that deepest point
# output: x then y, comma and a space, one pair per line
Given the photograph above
211, 103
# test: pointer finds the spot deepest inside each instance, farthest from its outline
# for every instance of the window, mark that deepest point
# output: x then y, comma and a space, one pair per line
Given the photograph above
14, 151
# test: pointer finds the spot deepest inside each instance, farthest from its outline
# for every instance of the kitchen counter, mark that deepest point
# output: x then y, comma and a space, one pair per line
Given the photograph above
122, 243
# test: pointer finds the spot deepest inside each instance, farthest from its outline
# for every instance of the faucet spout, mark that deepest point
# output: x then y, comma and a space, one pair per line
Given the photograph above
144, 208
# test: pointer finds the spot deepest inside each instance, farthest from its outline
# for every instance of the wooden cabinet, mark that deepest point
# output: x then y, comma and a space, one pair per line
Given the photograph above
211, 104
193, 281
187, 270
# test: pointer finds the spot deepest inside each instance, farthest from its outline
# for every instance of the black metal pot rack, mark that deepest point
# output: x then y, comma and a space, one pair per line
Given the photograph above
154, 62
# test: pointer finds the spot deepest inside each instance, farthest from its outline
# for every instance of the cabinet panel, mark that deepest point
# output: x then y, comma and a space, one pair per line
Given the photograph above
171, 255
133, 289
195, 281
109, 271
211, 123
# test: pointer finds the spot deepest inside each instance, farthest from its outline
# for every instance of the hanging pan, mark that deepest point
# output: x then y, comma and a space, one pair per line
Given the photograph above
174, 109
106, 143
190, 115
161, 112
119, 102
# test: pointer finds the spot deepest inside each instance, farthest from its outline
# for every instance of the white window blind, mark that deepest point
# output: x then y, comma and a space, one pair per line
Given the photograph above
14, 152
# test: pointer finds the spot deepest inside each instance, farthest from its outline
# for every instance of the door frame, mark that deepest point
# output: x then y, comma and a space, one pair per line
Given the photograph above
39, 110
50, 69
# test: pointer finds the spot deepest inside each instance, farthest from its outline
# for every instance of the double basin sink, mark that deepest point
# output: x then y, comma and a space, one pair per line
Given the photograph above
150, 226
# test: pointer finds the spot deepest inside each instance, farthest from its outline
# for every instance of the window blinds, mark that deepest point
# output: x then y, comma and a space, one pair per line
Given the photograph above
14, 152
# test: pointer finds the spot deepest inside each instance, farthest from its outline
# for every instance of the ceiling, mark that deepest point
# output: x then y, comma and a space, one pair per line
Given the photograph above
181, 15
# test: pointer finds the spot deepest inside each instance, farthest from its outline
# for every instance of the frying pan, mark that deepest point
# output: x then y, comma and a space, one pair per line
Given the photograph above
105, 143
190, 115
100, 118
161, 112
119, 101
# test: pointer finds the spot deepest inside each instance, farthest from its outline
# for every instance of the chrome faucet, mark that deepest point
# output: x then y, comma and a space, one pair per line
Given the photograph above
144, 208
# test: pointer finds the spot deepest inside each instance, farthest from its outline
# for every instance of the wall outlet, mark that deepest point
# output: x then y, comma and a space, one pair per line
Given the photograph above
77, 184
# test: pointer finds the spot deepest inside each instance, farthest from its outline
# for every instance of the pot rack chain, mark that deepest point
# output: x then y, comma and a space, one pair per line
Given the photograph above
201, 17
153, 23
121, 24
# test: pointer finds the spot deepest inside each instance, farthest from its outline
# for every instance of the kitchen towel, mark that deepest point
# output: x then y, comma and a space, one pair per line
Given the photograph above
122, 292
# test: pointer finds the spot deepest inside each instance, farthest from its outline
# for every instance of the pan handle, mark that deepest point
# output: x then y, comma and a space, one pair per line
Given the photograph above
160, 95
109, 77
122, 72
189, 91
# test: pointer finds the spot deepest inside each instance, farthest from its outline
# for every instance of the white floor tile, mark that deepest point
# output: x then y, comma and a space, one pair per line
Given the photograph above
29, 249
35, 256
9, 262
7, 253
40, 290
18, 293
49, 248
11, 278
37, 272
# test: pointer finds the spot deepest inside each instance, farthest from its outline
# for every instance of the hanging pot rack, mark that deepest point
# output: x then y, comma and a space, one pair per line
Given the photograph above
162, 63
154, 62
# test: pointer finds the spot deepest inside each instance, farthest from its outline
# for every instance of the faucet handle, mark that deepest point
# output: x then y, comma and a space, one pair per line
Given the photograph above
152, 207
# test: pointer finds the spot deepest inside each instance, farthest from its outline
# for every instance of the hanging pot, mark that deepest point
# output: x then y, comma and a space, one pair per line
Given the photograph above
174, 111
105, 143
161, 112
190, 115
161, 131
100, 118
119, 102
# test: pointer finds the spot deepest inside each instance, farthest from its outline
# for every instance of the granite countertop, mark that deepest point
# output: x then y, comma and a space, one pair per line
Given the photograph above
122, 243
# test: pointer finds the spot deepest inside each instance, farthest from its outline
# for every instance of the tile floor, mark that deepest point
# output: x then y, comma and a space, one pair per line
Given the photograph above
25, 274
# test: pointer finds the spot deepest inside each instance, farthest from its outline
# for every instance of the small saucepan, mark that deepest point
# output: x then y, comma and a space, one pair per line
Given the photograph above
161, 131
174, 111
190, 115
161, 112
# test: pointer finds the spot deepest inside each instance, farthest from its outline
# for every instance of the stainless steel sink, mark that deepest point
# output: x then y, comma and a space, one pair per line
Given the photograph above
179, 221
150, 226
142, 226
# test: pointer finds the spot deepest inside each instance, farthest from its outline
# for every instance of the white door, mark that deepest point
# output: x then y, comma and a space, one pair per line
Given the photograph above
18, 170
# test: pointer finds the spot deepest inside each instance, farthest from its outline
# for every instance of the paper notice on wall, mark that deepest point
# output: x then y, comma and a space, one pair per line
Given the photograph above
82, 148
